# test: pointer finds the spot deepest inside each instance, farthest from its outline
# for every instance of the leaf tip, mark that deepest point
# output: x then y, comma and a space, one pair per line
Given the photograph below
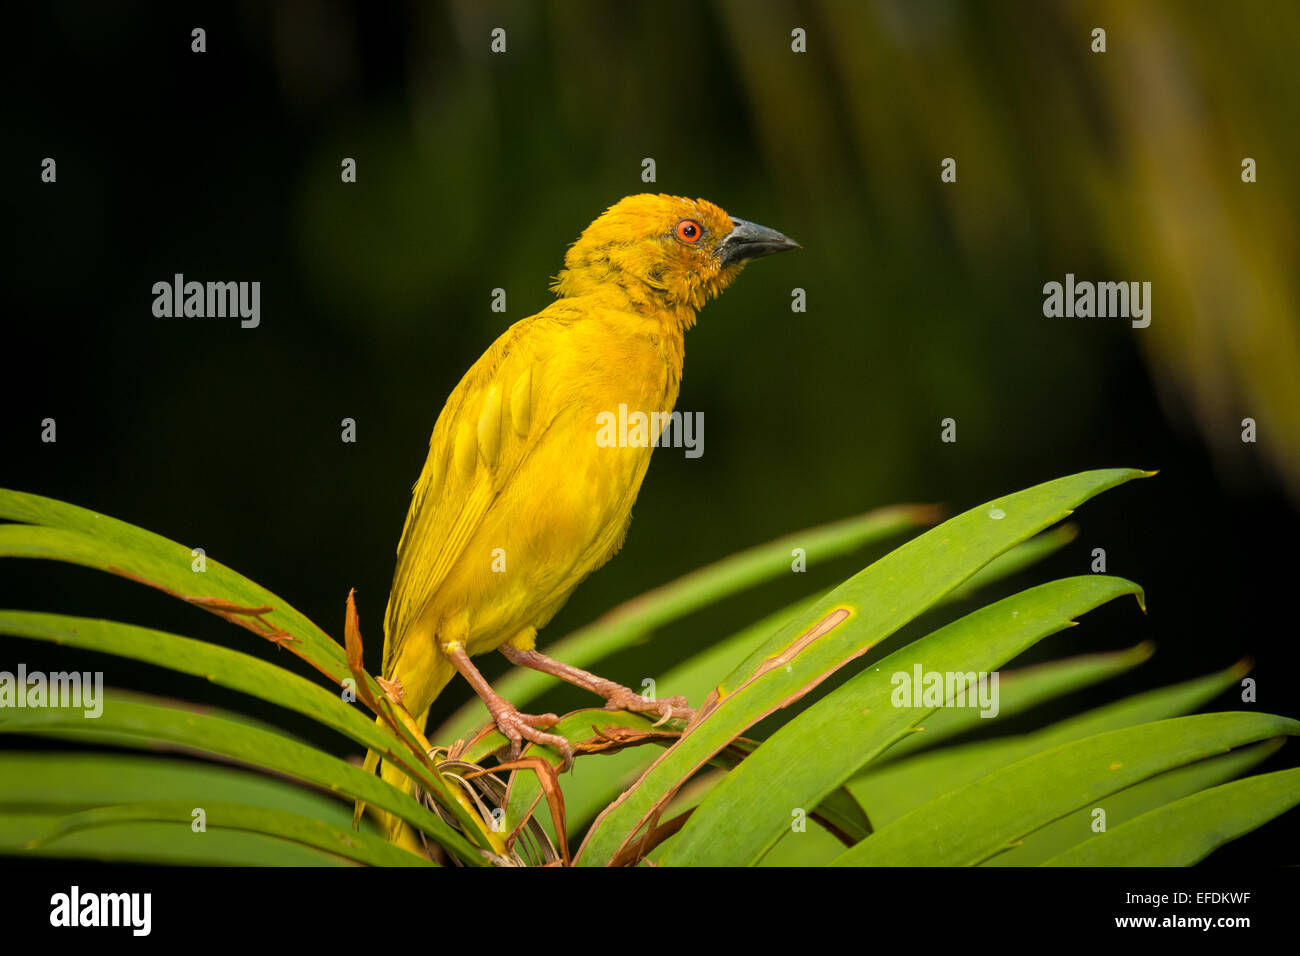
929, 514
1145, 650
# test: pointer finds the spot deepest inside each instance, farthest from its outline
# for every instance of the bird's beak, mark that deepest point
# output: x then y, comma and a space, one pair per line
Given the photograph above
749, 240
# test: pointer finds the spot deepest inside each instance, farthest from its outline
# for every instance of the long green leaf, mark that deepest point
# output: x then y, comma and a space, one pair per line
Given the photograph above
220, 665
227, 668
1016, 560
845, 624
1019, 799
586, 794
1074, 828
55, 530
838, 810
219, 815
825, 745
69, 781
894, 789
130, 722
1019, 691
152, 843
1188, 830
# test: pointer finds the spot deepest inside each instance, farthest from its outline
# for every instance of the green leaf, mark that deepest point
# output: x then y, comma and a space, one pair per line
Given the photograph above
66, 780
220, 665
1018, 799
843, 815
153, 843
133, 722
227, 668
1188, 830
810, 846
845, 624
55, 530
1019, 691
219, 815
1074, 828
894, 789
586, 794
814, 753
633, 620
1016, 560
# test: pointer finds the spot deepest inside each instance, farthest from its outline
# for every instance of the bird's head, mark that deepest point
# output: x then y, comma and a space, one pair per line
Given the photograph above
664, 252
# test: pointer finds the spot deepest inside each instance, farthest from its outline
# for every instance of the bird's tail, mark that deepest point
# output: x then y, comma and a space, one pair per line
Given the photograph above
359, 808
394, 828
424, 676
371, 762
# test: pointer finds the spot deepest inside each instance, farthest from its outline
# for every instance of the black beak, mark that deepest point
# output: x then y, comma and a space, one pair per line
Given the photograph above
749, 240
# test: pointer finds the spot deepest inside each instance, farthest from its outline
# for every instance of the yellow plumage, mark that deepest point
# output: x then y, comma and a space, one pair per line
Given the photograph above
517, 501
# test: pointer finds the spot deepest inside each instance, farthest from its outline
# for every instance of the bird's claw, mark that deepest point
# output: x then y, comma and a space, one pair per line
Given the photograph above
666, 708
518, 727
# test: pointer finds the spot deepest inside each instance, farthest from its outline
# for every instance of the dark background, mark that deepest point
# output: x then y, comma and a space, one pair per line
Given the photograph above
476, 170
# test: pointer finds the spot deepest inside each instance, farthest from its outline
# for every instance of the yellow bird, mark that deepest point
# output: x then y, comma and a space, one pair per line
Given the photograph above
518, 500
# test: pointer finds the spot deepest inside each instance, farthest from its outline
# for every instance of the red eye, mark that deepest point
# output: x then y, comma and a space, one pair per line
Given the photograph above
688, 230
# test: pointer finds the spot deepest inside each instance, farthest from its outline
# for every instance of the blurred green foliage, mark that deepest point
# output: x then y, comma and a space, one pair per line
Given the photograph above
1120, 165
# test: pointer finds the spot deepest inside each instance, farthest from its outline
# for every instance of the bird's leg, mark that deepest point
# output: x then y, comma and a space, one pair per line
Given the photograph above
516, 726
617, 697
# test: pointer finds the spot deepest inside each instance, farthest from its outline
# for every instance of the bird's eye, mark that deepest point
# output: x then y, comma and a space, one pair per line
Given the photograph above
688, 230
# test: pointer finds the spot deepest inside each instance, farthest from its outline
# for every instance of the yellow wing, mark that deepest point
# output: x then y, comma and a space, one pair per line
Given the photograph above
491, 422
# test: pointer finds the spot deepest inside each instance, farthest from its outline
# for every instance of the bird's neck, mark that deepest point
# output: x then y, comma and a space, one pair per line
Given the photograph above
626, 293
643, 320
